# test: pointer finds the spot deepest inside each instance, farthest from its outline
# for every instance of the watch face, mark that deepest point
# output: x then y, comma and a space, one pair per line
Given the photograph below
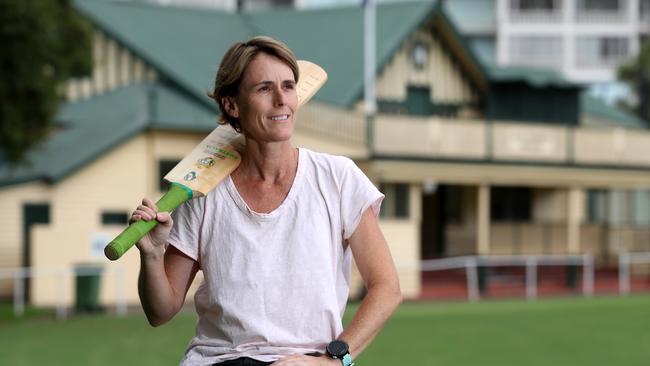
337, 348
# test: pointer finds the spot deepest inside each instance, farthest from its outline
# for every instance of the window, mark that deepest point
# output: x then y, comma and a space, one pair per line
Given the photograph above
164, 166
644, 9
536, 51
597, 205
601, 51
115, 218
613, 48
511, 203
418, 101
419, 55
396, 203
527, 5
601, 5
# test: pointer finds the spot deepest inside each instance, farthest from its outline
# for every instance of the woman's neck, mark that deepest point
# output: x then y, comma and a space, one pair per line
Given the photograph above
268, 162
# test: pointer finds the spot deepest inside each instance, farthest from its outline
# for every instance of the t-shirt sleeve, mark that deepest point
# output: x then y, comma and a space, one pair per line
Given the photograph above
185, 233
357, 194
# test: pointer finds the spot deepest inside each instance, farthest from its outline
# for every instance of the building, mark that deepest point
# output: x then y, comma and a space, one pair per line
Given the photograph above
585, 40
473, 159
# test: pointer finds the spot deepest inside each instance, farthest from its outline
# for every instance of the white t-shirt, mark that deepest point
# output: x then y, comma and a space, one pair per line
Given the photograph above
275, 283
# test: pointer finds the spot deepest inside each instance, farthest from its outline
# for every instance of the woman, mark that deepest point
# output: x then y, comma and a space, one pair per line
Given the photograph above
274, 240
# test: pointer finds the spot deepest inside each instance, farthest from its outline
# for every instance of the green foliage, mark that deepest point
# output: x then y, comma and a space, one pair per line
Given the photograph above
44, 42
636, 73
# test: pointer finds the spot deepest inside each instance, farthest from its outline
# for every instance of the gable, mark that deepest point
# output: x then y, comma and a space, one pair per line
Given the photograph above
441, 75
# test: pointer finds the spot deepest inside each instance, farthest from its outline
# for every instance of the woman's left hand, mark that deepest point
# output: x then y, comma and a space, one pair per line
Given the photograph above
304, 360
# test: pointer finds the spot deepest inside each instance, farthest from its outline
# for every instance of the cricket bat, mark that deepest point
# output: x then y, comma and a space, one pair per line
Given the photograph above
207, 165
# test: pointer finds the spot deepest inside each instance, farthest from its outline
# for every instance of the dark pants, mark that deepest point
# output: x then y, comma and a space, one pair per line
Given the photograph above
243, 361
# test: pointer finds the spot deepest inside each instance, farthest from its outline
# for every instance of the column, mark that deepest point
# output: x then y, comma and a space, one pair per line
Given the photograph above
575, 203
483, 218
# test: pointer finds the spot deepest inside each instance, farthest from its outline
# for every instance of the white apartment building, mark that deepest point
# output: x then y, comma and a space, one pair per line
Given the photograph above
585, 39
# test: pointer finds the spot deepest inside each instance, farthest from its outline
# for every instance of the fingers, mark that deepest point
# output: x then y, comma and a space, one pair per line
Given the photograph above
148, 211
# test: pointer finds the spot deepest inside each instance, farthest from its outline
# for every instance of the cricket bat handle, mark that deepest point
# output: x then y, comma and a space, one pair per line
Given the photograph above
175, 196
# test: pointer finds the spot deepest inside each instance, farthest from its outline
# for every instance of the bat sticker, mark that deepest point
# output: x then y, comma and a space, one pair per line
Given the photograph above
205, 162
190, 176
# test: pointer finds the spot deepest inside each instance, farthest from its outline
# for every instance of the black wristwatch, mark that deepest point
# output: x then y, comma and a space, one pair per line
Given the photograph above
340, 350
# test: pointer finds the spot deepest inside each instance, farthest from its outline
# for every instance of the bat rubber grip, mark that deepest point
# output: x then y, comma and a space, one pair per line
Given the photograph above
175, 196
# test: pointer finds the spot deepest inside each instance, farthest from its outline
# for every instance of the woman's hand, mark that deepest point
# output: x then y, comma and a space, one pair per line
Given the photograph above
153, 243
304, 360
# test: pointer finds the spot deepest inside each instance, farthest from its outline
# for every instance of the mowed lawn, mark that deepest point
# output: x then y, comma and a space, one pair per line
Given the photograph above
555, 332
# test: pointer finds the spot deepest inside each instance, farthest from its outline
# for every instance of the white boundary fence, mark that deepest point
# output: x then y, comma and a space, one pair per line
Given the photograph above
531, 262
470, 264
625, 261
63, 274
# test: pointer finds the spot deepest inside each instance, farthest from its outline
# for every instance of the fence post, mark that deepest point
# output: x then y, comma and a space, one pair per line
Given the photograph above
121, 306
19, 292
531, 278
472, 280
61, 308
587, 275
624, 273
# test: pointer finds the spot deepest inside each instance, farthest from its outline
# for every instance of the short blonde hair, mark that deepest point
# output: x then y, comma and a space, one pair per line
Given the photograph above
233, 66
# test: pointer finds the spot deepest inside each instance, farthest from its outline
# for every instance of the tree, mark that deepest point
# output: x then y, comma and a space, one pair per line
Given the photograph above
43, 43
636, 73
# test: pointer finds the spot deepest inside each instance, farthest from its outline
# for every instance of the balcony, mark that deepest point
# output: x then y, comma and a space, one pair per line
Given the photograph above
476, 140
603, 12
537, 16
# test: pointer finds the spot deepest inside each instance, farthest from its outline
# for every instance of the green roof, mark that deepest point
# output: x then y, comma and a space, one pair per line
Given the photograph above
186, 45
473, 16
88, 129
535, 77
608, 114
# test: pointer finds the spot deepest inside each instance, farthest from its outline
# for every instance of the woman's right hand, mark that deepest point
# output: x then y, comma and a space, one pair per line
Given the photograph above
153, 243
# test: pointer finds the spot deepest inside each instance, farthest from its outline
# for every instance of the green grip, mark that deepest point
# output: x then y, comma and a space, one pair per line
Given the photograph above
176, 195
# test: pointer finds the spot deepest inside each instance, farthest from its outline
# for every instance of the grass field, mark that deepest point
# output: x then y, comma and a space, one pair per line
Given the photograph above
569, 331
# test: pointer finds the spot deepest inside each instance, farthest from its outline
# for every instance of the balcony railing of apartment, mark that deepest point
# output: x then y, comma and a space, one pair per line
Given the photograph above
552, 16
603, 12
601, 52
535, 51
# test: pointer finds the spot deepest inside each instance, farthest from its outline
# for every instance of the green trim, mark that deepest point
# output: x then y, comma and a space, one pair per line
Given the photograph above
189, 191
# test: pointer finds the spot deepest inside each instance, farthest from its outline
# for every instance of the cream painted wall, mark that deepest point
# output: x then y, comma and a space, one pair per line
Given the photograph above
114, 182
12, 199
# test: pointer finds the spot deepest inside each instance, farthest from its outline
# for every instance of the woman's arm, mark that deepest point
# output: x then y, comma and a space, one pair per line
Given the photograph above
165, 275
375, 264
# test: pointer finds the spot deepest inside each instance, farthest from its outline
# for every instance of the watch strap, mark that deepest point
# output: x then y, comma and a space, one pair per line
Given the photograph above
347, 360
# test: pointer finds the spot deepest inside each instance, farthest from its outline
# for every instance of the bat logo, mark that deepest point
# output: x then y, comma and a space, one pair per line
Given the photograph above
205, 162
190, 176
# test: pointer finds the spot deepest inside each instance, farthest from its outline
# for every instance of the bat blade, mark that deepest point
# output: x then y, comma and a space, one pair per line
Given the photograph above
312, 78
209, 163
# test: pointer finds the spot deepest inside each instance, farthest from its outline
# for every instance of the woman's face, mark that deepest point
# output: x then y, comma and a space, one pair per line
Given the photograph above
267, 100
